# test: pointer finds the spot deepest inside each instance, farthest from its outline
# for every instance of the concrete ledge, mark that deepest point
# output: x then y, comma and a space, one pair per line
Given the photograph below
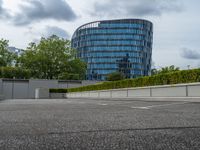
41, 93
145, 92
57, 95
190, 90
94, 94
194, 90
105, 94
148, 99
178, 91
119, 93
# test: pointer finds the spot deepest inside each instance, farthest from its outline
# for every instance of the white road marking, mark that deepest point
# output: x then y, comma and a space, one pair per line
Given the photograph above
153, 106
103, 104
140, 107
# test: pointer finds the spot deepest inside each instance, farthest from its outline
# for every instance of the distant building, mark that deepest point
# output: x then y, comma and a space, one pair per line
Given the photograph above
115, 46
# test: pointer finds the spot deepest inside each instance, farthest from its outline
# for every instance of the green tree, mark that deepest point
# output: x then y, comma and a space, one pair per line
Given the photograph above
116, 76
7, 58
50, 58
164, 70
76, 66
14, 72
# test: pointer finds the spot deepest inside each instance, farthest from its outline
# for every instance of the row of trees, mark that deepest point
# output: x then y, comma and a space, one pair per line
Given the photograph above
51, 58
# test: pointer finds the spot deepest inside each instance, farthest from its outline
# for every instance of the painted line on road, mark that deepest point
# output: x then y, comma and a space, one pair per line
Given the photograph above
103, 104
154, 106
140, 107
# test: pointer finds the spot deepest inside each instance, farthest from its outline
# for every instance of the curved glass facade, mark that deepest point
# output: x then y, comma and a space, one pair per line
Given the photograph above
115, 46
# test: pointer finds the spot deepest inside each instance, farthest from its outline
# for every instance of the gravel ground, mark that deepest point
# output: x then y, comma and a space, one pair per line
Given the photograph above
75, 124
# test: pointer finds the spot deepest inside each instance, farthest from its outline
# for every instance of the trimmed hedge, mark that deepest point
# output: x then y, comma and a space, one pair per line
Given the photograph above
116, 76
178, 77
58, 90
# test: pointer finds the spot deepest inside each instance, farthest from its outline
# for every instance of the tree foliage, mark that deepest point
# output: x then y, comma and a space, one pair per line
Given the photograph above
164, 70
50, 58
116, 76
14, 73
76, 66
7, 58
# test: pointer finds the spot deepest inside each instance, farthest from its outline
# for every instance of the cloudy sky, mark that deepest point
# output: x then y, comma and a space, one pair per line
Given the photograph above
176, 23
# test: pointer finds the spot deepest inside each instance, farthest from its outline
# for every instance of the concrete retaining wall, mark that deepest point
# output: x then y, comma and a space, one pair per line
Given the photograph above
41, 93
172, 91
25, 89
57, 95
143, 92
179, 90
194, 90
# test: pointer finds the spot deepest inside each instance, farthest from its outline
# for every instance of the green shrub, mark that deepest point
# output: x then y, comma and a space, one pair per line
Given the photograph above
14, 72
116, 76
58, 90
178, 77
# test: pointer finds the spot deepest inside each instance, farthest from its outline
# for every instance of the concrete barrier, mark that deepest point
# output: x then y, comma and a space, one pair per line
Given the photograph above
41, 93
171, 91
105, 94
179, 90
57, 95
122, 93
142, 92
25, 89
85, 94
193, 90
94, 94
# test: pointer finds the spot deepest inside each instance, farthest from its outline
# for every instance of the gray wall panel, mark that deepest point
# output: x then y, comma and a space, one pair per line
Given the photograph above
62, 85
169, 92
74, 85
139, 92
20, 90
1, 87
105, 94
8, 89
25, 89
194, 91
34, 84
119, 93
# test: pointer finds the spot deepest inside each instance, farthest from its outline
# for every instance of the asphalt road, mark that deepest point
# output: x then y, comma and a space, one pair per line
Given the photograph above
75, 124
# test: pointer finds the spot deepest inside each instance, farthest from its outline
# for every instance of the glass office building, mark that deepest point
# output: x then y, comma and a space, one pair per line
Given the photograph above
115, 46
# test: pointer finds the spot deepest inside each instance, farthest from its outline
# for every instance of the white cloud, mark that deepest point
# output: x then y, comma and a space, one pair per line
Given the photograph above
35, 10
136, 7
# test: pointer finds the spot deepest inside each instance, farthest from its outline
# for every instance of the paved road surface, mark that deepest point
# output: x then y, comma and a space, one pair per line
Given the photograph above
75, 124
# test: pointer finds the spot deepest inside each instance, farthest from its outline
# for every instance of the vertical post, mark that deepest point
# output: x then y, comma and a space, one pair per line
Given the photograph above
12, 89
187, 94
150, 92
